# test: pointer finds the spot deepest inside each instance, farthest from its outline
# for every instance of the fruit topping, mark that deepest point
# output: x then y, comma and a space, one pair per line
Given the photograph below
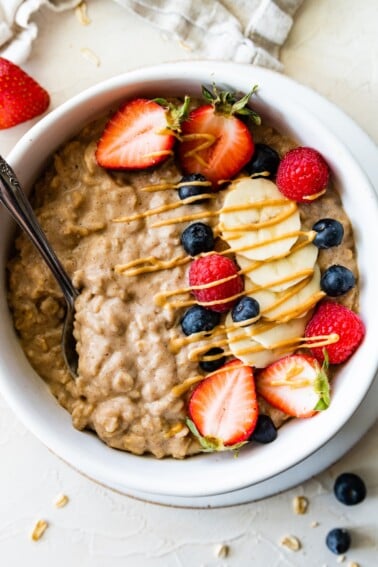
141, 134
246, 308
223, 407
193, 184
196, 238
198, 319
205, 272
349, 489
302, 175
265, 160
215, 141
337, 280
330, 233
331, 317
211, 365
265, 430
338, 541
296, 385
21, 97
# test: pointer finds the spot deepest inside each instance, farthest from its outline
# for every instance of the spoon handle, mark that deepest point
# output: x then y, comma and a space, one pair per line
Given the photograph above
15, 201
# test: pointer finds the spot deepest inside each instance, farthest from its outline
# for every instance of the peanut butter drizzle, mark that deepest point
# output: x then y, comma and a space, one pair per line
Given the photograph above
315, 195
166, 186
184, 386
150, 264
159, 153
209, 140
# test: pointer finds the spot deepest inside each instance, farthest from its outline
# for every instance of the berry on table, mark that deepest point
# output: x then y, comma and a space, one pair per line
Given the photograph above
329, 318
330, 233
337, 280
338, 541
245, 308
192, 185
196, 238
204, 272
211, 365
265, 430
302, 174
264, 160
21, 97
198, 319
349, 489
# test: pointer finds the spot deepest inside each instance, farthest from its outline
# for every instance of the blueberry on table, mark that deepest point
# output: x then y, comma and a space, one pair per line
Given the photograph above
338, 541
330, 233
197, 319
337, 280
246, 308
196, 238
193, 184
264, 160
265, 430
211, 365
349, 489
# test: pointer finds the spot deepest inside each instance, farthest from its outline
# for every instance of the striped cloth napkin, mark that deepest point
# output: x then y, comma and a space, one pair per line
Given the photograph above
246, 31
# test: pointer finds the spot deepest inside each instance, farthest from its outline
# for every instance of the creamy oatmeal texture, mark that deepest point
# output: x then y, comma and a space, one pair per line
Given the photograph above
126, 369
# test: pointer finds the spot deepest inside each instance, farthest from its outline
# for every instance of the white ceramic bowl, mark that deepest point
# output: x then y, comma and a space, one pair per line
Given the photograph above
206, 474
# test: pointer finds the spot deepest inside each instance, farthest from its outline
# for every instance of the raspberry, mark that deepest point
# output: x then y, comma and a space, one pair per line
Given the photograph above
302, 173
210, 269
332, 317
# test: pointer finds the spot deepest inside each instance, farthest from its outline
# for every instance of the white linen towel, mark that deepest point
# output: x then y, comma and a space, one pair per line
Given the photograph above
248, 31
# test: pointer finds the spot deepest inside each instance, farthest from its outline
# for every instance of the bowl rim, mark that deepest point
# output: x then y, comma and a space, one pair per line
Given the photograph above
82, 455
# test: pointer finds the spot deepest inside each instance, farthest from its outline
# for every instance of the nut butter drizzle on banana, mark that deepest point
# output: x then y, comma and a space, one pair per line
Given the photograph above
218, 337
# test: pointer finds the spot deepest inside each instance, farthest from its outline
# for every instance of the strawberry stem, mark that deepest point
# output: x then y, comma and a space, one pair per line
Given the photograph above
230, 103
175, 113
211, 444
322, 385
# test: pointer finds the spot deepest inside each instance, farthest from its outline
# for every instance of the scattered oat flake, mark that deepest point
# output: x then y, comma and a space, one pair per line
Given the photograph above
353, 564
300, 504
90, 55
82, 15
291, 542
314, 524
61, 501
221, 551
341, 559
39, 529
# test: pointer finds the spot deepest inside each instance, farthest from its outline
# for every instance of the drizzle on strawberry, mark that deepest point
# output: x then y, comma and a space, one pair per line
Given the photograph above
223, 407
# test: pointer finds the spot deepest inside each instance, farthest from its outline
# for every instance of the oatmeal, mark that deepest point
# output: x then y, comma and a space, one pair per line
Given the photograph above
132, 386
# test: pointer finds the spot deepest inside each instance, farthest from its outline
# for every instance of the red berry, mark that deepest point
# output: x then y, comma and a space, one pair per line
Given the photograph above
212, 268
331, 317
302, 173
21, 97
224, 407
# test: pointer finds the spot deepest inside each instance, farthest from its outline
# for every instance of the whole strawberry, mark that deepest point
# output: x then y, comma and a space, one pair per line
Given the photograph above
330, 318
21, 97
205, 272
302, 174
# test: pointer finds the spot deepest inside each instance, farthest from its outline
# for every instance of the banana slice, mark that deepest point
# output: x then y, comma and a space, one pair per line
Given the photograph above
278, 270
297, 304
259, 242
243, 340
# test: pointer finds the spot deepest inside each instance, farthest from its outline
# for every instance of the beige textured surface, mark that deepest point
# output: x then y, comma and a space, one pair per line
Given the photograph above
334, 49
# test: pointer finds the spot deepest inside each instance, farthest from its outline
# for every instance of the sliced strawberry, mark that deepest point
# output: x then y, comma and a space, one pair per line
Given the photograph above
136, 137
295, 384
21, 97
215, 142
223, 407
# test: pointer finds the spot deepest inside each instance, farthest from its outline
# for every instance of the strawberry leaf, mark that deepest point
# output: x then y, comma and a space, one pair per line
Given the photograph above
229, 102
321, 385
211, 444
175, 114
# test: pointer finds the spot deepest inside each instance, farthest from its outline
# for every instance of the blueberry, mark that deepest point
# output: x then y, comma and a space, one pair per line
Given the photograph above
337, 280
338, 541
196, 238
264, 159
265, 430
330, 233
193, 184
197, 319
211, 365
245, 308
349, 489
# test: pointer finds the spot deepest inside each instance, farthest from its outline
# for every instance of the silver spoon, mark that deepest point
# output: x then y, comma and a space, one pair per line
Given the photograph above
15, 201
